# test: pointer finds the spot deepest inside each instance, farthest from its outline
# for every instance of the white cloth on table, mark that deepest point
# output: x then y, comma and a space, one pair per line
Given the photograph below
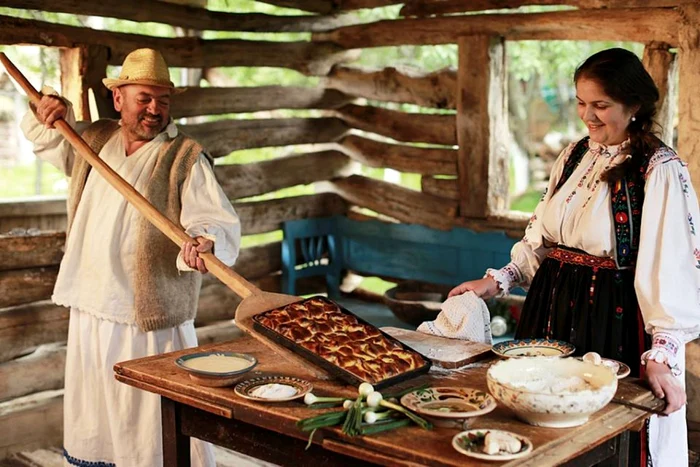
107, 421
464, 317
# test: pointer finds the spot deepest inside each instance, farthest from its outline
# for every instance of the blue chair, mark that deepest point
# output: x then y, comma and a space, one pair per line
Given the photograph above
317, 241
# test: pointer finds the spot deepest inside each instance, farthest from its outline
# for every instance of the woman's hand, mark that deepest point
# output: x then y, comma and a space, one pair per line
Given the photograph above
484, 288
665, 386
190, 253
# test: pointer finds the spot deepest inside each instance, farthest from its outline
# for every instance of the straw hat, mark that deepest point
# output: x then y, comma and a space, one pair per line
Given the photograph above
143, 66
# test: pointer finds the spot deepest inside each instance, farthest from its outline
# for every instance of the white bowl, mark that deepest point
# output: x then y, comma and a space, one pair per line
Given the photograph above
551, 392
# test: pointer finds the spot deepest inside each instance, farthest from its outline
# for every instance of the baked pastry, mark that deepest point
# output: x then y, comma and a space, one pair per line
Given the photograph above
321, 327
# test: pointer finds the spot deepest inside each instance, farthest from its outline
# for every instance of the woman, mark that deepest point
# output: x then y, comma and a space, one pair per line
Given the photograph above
611, 255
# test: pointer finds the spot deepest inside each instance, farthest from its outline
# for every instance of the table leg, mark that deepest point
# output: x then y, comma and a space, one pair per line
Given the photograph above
176, 446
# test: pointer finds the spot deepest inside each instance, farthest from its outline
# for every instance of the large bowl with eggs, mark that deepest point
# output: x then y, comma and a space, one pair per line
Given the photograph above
551, 392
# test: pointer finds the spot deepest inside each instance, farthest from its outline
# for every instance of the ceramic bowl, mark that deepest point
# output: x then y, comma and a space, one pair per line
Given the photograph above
216, 379
449, 406
551, 392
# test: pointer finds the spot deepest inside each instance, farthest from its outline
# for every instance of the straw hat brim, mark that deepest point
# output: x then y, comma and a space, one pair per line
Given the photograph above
112, 83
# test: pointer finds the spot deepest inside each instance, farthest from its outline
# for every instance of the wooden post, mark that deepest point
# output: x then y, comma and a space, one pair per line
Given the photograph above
83, 68
689, 91
663, 68
482, 132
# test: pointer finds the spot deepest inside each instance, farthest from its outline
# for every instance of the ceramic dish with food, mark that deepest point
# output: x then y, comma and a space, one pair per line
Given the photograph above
216, 369
533, 348
273, 388
449, 406
620, 369
551, 392
491, 445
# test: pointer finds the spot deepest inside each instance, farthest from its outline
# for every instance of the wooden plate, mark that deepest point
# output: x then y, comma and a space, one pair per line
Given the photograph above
251, 389
533, 348
471, 443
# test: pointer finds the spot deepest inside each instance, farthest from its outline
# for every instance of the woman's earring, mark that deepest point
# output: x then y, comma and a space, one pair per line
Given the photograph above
634, 119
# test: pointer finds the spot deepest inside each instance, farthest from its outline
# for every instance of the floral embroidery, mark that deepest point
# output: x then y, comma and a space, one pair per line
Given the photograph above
662, 155
544, 193
684, 184
619, 312
532, 220
697, 258
691, 224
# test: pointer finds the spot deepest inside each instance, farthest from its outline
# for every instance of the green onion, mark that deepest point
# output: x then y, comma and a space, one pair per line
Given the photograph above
379, 427
311, 399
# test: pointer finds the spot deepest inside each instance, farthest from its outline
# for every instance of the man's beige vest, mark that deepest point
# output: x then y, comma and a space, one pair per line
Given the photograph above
163, 296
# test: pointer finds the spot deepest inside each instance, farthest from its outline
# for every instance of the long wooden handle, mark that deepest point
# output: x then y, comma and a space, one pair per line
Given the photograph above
235, 282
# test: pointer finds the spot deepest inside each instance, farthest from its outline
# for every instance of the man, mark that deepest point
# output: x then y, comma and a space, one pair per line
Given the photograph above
131, 292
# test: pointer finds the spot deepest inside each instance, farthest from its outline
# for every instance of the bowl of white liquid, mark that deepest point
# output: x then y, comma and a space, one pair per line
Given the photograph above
216, 369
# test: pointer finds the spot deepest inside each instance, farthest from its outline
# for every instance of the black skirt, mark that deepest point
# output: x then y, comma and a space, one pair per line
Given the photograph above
587, 301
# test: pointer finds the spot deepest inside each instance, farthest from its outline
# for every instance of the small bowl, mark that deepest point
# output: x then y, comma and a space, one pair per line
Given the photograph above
414, 302
543, 391
211, 378
247, 389
520, 348
449, 406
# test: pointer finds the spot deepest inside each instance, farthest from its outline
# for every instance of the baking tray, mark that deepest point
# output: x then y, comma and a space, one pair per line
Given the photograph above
334, 370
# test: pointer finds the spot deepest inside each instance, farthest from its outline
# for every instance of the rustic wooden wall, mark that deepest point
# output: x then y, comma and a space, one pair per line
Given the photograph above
458, 154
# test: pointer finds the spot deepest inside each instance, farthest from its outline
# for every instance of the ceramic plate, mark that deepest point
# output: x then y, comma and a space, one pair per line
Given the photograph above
186, 361
449, 402
273, 388
621, 369
471, 443
533, 348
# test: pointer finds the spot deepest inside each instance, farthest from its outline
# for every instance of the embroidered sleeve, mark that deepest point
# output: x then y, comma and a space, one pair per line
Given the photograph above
667, 273
664, 349
508, 277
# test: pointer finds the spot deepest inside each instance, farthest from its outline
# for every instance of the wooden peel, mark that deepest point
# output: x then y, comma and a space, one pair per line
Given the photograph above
254, 300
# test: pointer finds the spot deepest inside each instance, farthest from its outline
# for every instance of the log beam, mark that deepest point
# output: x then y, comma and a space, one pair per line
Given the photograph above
401, 126
689, 91
482, 126
404, 158
243, 180
637, 24
24, 328
31, 251
305, 57
267, 216
215, 101
222, 137
31, 422
442, 187
42, 370
663, 68
441, 7
82, 69
436, 90
26, 285
395, 201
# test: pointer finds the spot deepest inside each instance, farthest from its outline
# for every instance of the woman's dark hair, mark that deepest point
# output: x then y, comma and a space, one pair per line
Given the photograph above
623, 77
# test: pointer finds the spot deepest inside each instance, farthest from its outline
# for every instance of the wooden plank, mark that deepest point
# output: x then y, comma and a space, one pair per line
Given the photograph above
303, 56
30, 251
638, 24
23, 328
26, 285
689, 90
331, 6
23, 207
440, 7
266, 216
42, 370
222, 137
662, 66
442, 187
216, 101
437, 89
404, 158
257, 178
82, 69
395, 201
401, 126
187, 17
31, 422
482, 127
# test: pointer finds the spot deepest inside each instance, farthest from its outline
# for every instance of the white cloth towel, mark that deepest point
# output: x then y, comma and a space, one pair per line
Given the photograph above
464, 317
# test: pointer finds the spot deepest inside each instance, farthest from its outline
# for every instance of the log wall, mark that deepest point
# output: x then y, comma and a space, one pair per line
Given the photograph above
456, 147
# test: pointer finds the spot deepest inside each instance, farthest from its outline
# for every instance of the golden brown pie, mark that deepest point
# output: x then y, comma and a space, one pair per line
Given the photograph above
321, 327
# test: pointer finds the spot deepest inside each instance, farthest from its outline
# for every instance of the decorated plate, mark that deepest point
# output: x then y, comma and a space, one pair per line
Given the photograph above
273, 388
533, 348
216, 364
471, 443
449, 402
620, 369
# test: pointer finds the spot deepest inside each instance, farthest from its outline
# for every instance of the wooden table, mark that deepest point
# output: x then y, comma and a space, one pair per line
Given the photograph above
268, 431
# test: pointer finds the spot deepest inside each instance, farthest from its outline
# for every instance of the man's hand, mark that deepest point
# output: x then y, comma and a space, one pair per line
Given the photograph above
50, 109
665, 386
484, 288
191, 251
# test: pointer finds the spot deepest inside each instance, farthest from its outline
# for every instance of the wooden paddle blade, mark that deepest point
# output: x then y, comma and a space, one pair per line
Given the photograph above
265, 301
